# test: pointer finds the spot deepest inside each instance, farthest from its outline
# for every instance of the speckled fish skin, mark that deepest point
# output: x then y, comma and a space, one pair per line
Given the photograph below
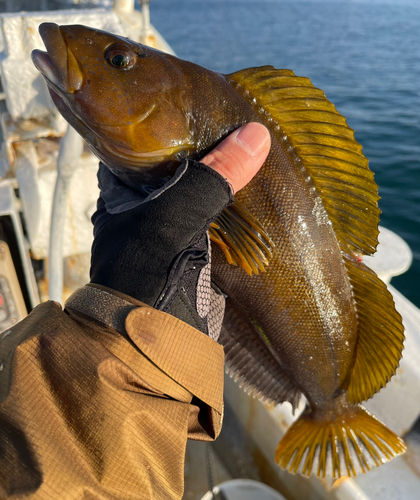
161, 110
309, 314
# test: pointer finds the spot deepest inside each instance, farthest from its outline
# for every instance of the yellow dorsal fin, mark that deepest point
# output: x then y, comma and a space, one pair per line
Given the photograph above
380, 335
312, 131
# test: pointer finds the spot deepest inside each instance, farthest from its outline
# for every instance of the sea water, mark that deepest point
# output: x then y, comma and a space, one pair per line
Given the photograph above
364, 55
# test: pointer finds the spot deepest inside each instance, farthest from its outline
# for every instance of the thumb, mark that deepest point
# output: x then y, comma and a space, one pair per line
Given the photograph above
239, 157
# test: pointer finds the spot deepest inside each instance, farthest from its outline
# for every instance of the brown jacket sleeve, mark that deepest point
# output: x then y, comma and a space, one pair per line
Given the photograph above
89, 413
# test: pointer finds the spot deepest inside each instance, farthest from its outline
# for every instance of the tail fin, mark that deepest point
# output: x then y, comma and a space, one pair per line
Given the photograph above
345, 443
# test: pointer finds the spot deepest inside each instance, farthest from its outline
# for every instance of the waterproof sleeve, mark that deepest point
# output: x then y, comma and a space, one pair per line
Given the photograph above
86, 411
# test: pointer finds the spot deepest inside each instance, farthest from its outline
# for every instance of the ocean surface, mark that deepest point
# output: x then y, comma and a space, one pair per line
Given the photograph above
364, 55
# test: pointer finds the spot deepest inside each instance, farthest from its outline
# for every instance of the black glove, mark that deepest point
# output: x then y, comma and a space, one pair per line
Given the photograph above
151, 241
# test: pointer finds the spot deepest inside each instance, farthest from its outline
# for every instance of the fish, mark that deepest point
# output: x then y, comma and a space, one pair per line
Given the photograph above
304, 316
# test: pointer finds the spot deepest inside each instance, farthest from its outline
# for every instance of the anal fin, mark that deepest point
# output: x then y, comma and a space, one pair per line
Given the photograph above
249, 361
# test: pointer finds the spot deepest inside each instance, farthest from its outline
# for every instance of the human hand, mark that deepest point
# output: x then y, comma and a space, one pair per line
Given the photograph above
154, 246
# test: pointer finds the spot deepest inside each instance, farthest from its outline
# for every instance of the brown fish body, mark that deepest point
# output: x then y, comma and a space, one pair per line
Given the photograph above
311, 317
302, 325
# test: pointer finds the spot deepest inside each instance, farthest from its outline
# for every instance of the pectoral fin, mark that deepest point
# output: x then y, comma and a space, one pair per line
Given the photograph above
242, 239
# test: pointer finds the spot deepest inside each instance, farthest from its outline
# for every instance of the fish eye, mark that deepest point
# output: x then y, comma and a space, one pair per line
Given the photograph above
120, 56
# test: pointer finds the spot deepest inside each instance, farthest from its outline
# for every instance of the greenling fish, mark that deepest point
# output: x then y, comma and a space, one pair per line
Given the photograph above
304, 314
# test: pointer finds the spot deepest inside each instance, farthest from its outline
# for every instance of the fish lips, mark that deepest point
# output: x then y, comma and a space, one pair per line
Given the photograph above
58, 65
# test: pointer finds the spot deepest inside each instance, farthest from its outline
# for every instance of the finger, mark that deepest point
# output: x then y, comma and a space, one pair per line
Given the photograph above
239, 157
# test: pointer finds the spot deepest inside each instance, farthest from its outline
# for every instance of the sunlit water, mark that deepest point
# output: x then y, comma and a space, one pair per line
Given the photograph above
365, 56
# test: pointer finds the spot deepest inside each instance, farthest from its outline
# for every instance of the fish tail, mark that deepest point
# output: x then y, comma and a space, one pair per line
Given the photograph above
343, 442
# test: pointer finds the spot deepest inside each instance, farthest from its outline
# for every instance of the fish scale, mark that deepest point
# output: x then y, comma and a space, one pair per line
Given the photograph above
303, 314
292, 261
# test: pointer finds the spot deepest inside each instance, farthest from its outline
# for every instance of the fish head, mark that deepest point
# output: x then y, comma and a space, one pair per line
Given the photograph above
127, 100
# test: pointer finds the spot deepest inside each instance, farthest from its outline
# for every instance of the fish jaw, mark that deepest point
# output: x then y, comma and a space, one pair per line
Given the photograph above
58, 65
118, 113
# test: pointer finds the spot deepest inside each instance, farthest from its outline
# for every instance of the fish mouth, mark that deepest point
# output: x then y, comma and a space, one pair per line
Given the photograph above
58, 65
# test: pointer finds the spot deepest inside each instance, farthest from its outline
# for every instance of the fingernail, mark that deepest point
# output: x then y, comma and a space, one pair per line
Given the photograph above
253, 139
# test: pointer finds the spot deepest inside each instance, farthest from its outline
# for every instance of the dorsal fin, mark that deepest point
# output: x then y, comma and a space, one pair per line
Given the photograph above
312, 131
380, 335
